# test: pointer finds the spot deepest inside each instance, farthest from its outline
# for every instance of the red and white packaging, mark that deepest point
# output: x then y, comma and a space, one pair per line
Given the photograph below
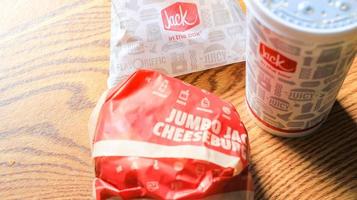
175, 37
159, 138
298, 55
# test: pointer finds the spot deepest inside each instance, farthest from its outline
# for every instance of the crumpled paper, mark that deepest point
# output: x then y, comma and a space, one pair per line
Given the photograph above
174, 37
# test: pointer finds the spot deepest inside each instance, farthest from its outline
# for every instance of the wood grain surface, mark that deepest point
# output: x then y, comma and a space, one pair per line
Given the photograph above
53, 67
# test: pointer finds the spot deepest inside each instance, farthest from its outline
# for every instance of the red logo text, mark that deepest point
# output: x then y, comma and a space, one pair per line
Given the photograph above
180, 16
277, 60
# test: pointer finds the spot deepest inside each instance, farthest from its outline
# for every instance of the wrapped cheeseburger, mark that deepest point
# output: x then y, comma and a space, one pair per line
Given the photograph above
157, 137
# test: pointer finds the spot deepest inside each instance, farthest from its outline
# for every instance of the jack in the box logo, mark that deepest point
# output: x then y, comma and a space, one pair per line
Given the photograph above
180, 17
276, 59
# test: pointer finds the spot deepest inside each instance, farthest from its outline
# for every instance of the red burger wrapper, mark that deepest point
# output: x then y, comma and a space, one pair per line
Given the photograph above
160, 138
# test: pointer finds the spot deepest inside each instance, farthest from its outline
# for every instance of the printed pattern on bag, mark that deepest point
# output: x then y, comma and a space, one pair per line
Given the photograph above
194, 34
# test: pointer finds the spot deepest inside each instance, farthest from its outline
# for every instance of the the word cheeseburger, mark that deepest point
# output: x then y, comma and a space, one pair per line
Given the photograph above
157, 137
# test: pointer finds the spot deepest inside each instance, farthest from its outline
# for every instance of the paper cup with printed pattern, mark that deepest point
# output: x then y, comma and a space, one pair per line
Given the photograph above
298, 55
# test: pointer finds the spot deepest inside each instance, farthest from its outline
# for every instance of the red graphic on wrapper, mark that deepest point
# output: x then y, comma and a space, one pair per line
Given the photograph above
276, 59
180, 17
148, 145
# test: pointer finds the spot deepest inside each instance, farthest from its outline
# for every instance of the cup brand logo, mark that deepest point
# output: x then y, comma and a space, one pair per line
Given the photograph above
277, 60
180, 16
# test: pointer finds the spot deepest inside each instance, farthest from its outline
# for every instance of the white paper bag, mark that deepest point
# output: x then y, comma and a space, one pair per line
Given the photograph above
175, 37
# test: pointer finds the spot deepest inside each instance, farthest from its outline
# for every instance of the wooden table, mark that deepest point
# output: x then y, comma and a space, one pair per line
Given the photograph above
53, 67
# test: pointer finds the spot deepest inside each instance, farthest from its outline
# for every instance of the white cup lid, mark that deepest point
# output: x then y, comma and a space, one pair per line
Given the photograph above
317, 16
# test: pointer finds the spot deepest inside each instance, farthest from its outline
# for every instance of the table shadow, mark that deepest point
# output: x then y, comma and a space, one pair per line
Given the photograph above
332, 151
258, 184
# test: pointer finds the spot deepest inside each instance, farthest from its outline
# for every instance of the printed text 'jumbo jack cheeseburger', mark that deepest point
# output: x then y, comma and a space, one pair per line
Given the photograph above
158, 137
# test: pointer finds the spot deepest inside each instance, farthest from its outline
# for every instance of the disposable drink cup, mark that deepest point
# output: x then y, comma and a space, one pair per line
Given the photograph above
298, 55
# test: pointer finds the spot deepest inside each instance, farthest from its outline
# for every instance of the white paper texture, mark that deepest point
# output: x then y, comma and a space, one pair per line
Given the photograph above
139, 38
